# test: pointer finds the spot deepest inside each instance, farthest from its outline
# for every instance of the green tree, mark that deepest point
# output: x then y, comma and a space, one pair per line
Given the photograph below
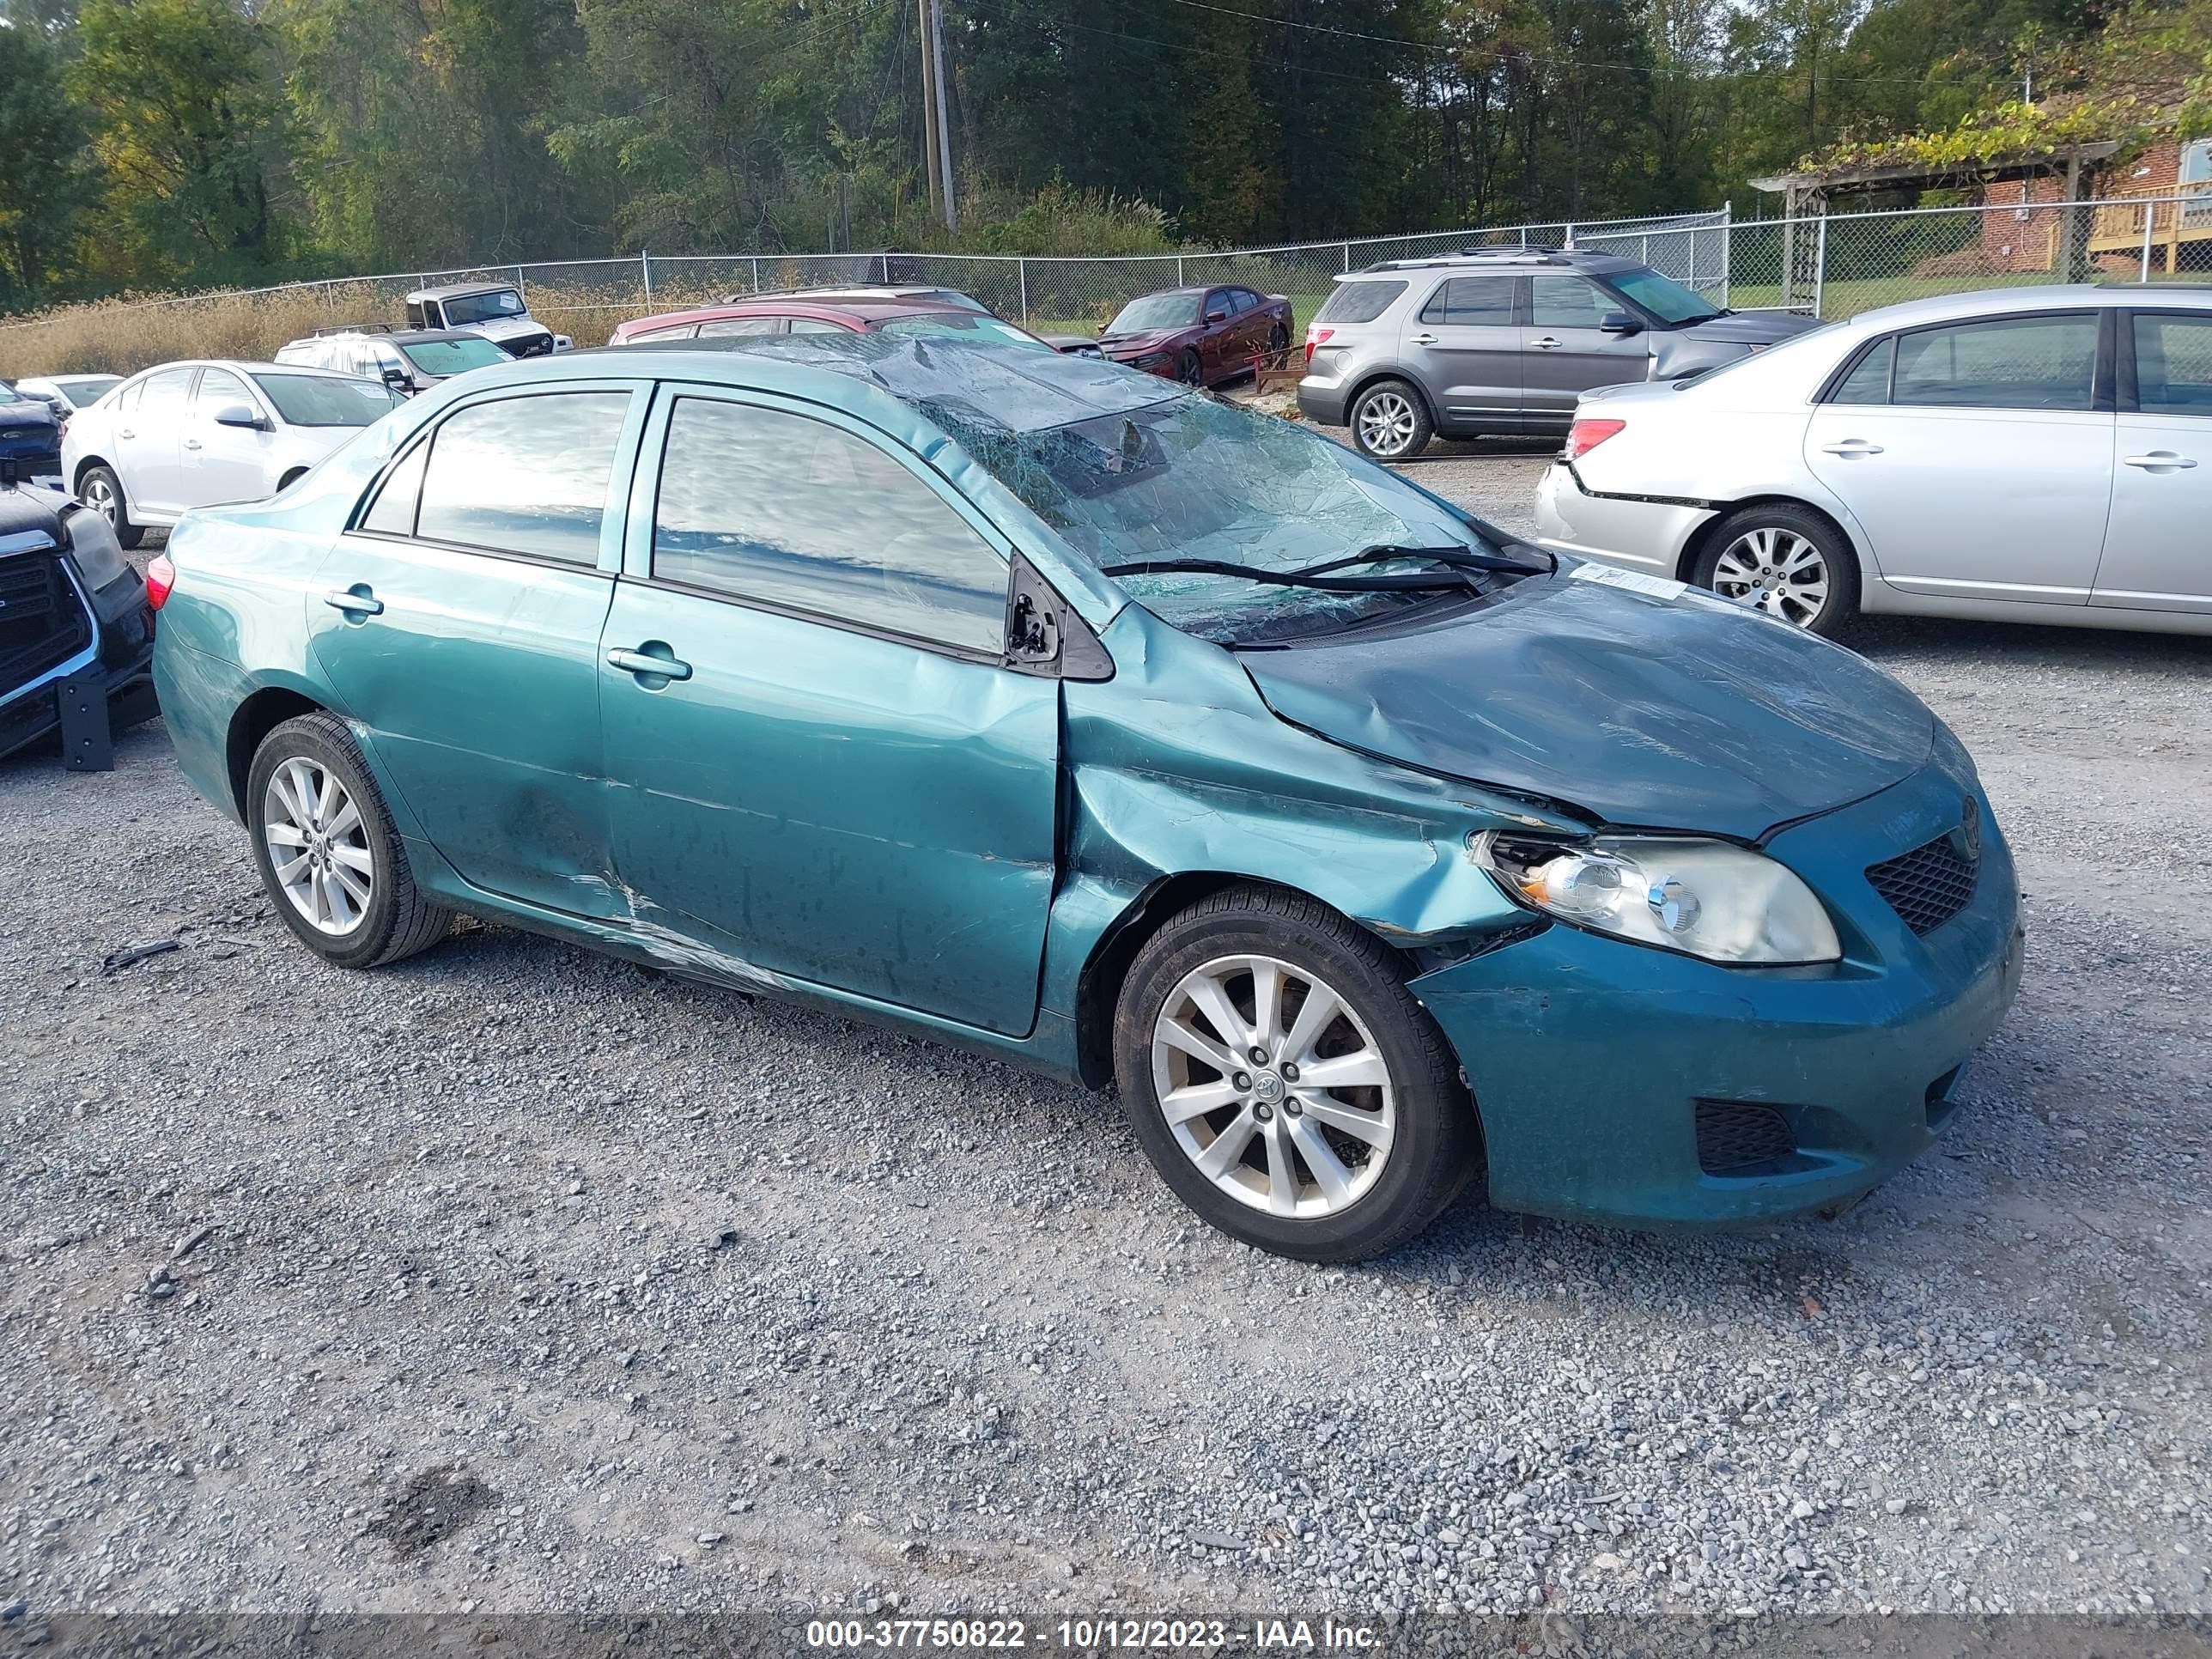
42, 186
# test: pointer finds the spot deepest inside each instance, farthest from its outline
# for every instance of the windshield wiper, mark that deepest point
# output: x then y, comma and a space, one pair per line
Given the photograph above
1462, 561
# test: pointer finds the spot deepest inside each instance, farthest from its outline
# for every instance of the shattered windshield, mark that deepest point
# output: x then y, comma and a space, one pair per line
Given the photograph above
1191, 478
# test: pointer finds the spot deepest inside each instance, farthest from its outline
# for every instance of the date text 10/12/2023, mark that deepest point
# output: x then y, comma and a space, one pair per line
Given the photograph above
1093, 1634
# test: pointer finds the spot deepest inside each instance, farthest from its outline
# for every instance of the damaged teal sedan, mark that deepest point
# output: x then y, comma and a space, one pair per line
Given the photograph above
1071, 714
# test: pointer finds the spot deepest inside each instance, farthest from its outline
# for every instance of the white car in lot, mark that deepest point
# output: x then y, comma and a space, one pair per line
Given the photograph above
2021, 455
202, 434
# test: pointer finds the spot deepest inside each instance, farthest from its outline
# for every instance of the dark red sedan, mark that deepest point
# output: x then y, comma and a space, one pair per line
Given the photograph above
772, 316
1200, 334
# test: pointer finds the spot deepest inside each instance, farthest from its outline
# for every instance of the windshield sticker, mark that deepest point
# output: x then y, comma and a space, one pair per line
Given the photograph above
1656, 587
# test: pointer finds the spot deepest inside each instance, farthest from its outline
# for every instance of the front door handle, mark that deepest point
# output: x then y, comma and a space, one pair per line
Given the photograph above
647, 663
356, 601
2160, 460
1851, 446
1420, 339
1545, 344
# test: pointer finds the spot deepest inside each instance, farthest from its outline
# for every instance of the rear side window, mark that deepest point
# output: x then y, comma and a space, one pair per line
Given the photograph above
1472, 302
2173, 364
525, 475
740, 325
1359, 302
804, 516
680, 332
1868, 380
2010, 363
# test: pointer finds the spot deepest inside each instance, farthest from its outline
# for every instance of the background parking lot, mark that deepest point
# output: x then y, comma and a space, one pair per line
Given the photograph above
514, 1276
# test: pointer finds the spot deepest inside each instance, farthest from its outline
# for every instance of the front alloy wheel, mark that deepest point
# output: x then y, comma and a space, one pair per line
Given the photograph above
1778, 570
1273, 1087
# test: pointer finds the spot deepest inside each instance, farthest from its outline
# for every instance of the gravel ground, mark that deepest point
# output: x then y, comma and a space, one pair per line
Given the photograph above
514, 1278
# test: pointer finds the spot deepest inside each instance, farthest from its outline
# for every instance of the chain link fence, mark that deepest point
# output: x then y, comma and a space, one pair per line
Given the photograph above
1832, 266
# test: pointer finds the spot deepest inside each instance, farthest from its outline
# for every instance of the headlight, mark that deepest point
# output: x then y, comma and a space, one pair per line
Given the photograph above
1154, 359
92, 542
1706, 898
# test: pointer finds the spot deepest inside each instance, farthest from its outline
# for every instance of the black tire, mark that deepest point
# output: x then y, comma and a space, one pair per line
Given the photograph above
1367, 410
1841, 604
1436, 1146
397, 920
129, 534
1279, 339
1189, 370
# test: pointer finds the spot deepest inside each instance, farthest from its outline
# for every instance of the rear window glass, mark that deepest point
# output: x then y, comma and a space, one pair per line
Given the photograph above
1359, 302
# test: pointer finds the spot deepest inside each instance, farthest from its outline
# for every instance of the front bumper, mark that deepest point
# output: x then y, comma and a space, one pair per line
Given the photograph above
1588, 1057
116, 662
1638, 534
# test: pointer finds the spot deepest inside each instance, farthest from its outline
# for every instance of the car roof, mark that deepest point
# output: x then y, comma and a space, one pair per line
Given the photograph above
828, 311
455, 290
397, 336
1480, 258
242, 366
2062, 296
960, 382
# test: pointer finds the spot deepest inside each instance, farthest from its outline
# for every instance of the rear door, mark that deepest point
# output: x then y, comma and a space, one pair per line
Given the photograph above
2158, 541
150, 439
1463, 345
1564, 353
459, 620
1975, 456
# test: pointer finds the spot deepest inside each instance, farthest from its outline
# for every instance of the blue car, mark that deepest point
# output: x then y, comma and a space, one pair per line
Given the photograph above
30, 435
1056, 709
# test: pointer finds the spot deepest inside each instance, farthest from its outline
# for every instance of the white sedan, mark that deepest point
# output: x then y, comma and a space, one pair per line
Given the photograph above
2021, 455
203, 433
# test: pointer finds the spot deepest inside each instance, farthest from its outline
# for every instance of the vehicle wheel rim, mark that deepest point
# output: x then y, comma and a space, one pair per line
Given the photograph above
102, 499
318, 845
1275, 1090
1386, 424
1778, 570
1192, 374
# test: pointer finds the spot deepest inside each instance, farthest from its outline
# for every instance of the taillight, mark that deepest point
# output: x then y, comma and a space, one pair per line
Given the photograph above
1586, 434
1316, 336
161, 577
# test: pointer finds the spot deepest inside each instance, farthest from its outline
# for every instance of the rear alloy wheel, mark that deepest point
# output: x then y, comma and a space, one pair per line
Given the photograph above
1390, 422
1785, 560
102, 491
326, 850
1286, 1083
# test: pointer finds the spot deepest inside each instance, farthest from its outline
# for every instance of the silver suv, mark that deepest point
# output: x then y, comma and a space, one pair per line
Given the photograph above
1502, 341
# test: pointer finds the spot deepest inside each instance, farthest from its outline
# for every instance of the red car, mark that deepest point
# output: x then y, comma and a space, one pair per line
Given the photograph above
770, 316
1200, 334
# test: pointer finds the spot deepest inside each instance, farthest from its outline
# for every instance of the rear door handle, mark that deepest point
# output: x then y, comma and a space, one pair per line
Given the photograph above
1545, 343
1852, 447
356, 602
192, 443
2160, 460
1420, 339
649, 664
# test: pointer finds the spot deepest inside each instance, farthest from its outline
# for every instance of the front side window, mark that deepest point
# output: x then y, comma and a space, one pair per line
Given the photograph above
525, 475
2010, 363
1359, 302
801, 515
219, 386
1472, 302
1566, 302
325, 399
2173, 364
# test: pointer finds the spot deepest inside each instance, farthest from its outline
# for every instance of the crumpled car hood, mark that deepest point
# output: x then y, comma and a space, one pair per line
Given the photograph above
1684, 713
1751, 327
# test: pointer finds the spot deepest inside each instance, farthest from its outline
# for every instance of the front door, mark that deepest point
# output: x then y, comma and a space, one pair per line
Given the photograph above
1465, 350
458, 621
1564, 353
2158, 542
833, 779
1974, 457
222, 464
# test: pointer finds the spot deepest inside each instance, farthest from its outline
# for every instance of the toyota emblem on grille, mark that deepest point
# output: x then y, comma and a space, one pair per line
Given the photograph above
1966, 839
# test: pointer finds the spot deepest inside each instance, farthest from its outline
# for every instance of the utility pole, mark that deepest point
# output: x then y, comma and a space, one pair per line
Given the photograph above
929, 164
944, 127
